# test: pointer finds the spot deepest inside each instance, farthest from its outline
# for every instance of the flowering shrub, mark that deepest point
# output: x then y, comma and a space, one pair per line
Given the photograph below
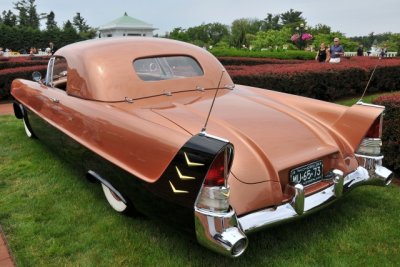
295, 37
306, 36
321, 80
391, 130
8, 75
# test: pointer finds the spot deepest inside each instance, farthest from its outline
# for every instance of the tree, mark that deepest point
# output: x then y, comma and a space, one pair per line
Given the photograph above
242, 30
271, 22
68, 34
9, 18
292, 18
28, 16
199, 34
272, 39
178, 34
320, 28
217, 32
51, 24
80, 23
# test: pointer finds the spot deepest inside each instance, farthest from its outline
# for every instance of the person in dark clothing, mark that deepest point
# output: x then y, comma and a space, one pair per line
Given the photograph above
360, 50
323, 54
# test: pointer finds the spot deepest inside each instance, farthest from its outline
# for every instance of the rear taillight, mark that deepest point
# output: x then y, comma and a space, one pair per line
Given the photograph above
371, 144
214, 194
217, 173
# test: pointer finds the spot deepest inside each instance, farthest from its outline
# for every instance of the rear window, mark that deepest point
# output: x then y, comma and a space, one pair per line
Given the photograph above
167, 68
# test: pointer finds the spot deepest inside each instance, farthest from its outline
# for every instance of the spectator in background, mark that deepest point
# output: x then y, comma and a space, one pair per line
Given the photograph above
336, 51
360, 50
1, 52
48, 51
383, 52
323, 54
52, 48
32, 51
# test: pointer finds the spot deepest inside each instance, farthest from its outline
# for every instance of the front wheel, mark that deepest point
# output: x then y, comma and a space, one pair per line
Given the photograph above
21, 113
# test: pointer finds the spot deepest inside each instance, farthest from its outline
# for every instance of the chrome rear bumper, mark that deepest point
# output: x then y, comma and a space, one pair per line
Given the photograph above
226, 233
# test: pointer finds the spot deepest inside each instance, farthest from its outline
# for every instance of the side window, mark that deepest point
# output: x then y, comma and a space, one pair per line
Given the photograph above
57, 73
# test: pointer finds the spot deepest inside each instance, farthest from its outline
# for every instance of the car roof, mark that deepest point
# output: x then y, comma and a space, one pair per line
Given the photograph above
102, 69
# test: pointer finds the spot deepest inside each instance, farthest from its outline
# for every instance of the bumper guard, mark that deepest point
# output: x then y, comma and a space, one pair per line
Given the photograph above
225, 233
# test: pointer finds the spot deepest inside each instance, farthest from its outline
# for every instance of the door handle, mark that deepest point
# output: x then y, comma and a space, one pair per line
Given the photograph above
54, 100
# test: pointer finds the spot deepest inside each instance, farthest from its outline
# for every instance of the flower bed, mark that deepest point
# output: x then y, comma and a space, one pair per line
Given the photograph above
23, 61
321, 80
391, 130
8, 75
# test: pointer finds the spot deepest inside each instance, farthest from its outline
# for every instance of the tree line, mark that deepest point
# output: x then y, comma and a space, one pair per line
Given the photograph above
21, 30
274, 32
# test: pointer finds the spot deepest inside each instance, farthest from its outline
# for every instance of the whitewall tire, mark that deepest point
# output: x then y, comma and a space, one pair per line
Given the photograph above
27, 131
115, 202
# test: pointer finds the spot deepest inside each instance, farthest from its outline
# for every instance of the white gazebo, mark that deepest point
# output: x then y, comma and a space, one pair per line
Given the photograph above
126, 26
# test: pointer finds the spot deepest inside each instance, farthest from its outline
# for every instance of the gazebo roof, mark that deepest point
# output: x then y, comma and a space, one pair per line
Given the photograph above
127, 22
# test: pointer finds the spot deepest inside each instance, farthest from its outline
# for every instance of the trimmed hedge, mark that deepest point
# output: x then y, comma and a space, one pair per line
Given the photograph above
322, 81
25, 61
288, 54
8, 75
249, 61
391, 130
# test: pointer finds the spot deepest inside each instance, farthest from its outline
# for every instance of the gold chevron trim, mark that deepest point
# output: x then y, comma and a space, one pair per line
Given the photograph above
184, 177
192, 164
177, 191
226, 194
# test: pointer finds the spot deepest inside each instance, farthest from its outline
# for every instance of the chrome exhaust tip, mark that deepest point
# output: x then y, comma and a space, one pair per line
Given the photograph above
233, 240
383, 174
220, 232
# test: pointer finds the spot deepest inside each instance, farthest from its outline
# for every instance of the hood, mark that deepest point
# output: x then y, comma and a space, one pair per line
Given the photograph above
268, 135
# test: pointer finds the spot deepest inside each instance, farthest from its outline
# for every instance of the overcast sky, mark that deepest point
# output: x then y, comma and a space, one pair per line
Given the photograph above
352, 17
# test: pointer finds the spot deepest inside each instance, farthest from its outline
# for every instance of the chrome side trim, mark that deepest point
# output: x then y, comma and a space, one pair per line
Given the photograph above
204, 133
359, 102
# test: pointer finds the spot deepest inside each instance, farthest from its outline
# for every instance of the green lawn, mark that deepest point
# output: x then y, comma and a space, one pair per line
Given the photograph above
53, 217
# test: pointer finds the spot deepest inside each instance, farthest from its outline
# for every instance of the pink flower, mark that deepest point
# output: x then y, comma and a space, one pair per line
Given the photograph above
295, 37
306, 37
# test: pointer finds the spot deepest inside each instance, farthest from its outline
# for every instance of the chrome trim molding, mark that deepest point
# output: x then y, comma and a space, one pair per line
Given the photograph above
204, 133
359, 102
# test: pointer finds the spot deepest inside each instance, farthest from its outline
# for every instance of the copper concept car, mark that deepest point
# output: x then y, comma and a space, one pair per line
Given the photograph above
131, 112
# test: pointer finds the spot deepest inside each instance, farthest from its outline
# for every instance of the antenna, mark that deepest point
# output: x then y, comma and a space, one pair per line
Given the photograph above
203, 130
370, 78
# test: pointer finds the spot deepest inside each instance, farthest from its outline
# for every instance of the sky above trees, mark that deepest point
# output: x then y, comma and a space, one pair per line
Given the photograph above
354, 18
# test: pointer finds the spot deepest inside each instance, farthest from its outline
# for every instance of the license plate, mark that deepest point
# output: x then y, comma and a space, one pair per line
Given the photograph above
307, 174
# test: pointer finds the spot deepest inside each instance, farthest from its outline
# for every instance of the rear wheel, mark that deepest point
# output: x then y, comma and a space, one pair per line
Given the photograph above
28, 131
115, 202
